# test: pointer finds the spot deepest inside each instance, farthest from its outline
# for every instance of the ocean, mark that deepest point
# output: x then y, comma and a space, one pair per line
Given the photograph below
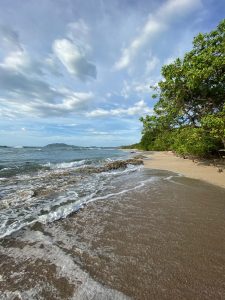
48, 183
72, 227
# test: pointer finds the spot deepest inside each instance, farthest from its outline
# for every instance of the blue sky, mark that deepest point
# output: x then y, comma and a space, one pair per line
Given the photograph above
79, 71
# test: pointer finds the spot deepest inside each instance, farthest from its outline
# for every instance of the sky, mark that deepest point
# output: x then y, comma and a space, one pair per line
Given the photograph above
80, 71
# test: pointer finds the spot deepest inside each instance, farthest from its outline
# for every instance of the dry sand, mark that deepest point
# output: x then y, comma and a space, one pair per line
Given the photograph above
166, 160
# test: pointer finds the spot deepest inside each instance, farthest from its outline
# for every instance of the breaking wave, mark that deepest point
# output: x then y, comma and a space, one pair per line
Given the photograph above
57, 190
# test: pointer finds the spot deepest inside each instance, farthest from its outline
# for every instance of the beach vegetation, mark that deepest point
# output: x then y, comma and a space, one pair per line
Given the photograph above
189, 117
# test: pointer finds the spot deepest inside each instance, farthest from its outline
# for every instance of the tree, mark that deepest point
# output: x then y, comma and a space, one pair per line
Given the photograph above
215, 125
195, 85
191, 98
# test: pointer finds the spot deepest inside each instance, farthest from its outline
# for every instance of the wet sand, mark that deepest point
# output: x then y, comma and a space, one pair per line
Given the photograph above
163, 241
166, 160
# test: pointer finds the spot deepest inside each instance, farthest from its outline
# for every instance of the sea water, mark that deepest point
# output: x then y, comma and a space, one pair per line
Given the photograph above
48, 183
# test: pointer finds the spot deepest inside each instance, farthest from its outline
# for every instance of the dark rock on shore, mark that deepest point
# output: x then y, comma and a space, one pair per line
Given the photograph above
122, 164
119, 164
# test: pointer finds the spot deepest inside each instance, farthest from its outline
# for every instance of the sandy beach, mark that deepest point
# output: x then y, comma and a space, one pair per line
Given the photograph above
166, 160
140, 233
158, 236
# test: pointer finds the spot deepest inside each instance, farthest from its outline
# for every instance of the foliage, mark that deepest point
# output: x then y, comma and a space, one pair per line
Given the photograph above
189, 116
194, 141
133, 146
215, 125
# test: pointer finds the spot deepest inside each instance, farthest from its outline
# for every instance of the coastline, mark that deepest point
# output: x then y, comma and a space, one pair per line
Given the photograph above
166, 160
142, 235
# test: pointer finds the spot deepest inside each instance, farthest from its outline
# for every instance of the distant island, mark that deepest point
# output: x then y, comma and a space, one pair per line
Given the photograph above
61, 145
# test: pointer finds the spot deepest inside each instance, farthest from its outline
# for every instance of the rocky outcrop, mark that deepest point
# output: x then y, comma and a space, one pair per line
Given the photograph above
118, 164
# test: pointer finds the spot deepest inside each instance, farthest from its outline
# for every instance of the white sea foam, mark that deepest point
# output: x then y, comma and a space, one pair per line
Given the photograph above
172, 177
65, 268
109, 159
4, 169
130, 168
18, 147
64, 208
140, 185
57, 196
65, 165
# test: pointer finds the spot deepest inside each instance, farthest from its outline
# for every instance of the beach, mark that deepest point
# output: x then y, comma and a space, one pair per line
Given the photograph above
83, 230
166, 160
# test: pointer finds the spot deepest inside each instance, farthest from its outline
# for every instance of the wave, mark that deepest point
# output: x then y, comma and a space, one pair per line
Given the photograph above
62, 208
60, 189
18, 170
18, 147
29, 167
2, 169
65, 165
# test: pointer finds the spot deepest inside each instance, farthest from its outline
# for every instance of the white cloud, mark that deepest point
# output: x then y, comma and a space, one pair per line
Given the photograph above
151, 28
72, 103
7, 113
16, 60
52, 66
126, 90
176, 8
139, 108
20, 61
78, 32
157, 23
112, 132
22, 94
97, 132
16, 57
139, 88
151, 64
169, 60
142, 88
74, 59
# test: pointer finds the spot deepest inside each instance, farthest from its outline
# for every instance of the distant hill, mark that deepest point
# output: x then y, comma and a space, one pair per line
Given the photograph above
60, 145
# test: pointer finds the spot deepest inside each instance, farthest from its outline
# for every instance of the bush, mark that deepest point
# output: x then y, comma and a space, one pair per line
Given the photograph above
147, 141
195, 141
164, 141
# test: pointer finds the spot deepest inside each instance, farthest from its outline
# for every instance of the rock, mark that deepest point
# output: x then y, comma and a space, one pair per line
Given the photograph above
122, 164
118, 164
39, 192
37, 226
219, 170
135, 161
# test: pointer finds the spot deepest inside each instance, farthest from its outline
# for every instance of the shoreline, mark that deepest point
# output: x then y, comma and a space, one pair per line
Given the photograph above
141, 236
166, 160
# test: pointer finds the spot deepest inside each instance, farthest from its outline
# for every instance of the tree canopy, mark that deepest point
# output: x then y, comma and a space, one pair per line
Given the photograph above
191, 100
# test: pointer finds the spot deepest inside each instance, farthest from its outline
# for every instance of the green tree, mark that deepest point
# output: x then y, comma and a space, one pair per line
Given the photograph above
215, 125
195, 86
190, 112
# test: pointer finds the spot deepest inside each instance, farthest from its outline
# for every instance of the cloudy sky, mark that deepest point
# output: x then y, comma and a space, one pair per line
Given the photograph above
79, 71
